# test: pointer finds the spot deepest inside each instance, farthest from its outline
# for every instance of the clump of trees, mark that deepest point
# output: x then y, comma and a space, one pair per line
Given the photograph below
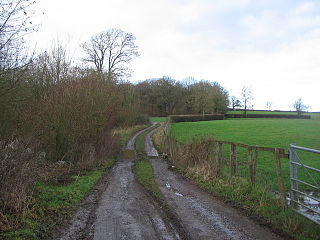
244, 102
235, 103
166, 96
246, 96
299, 106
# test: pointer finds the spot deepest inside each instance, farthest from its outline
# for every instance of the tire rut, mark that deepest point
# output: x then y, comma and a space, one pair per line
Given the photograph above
123, 210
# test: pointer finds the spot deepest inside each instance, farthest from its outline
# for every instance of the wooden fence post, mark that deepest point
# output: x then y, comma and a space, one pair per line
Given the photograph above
255, 161
252, 160
218, 158
233, 160
281, 187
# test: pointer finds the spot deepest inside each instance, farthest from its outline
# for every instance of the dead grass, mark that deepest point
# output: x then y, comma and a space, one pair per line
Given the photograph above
197, 156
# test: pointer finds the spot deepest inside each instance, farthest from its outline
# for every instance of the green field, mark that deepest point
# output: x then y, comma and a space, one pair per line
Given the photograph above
315, 116
261, 132
158, 119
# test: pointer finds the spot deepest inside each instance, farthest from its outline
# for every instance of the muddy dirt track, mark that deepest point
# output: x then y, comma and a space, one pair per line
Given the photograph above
119, 208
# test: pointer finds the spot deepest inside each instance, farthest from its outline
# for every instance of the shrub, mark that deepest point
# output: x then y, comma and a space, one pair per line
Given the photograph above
18, 172
75, 119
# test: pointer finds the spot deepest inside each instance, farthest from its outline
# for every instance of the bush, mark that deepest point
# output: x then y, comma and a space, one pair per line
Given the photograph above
74, 120
196, 118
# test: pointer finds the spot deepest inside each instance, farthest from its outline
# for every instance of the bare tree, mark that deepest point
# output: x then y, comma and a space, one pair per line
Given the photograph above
269, 104
111, 52
235, 102
15, 22
50, 67
299, 106
246, 94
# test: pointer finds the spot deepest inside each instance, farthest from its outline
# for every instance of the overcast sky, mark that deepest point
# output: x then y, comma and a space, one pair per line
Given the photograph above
273, 46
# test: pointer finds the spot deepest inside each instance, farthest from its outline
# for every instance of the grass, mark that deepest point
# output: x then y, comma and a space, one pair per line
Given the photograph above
315, 116
261, 132
53, 202
158, 119
257, 201
143, 169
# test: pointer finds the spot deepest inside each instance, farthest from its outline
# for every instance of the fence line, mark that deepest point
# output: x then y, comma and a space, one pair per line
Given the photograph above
252, 159
252, 162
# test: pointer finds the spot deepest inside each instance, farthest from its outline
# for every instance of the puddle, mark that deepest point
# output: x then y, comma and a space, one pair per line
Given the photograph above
178, 194
311, 203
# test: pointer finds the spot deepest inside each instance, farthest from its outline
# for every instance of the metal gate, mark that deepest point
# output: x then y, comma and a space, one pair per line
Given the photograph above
298, 193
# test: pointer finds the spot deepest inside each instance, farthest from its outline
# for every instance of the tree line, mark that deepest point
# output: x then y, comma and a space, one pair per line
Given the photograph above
166, 96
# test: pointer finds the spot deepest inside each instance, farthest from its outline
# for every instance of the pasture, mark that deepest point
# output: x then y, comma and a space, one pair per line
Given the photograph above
277, 133
314, 115
158, 119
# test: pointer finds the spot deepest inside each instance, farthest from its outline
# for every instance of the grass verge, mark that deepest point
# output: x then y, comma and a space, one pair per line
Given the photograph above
54, 202
143, 170
261, 204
